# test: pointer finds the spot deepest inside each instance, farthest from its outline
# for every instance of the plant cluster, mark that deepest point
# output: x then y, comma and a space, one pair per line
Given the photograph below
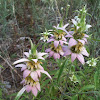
63, 40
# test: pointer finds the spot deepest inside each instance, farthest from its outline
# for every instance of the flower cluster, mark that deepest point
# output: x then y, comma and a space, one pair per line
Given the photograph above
32, 70
76, 45
77, 38
57, 40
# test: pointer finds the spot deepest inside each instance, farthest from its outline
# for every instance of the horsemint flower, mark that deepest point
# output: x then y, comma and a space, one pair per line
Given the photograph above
76, 49
57, 40
32, 70
79, 26
77, 35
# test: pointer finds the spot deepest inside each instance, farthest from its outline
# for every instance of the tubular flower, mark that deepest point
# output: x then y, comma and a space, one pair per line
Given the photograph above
76, 49
31, 85
77, 35
32, 70
57, 40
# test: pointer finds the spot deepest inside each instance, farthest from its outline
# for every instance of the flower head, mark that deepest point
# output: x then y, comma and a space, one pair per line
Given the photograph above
92, 62
76, 49
32, 70
56, 41
45, 36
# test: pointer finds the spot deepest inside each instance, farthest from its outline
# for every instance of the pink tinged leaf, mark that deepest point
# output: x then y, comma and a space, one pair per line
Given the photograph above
72, 42
38, 72
65, 26
41, 58
64, 39
56, 43
85, 39
28, 88
61, 28
64, 48
38, 86
81, 58
77, 27
88, 26
21, 60
45, 72
29, 52
74, 22
34, 76
68, 35
55, 56
21, 65
52, 36
51, 53
58, 56
61, 53
61, 42
34, 91
84, 52
40, 67
48, 50
23, 68
82, 41
26, 73
85, 35
26, 54
41, 54
35, 60
71, 32
73, 57
20, 93
50, 40
68, 52
23, 81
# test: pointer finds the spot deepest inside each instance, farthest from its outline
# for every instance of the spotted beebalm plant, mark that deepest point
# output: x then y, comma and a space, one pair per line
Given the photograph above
78, 38
32, 70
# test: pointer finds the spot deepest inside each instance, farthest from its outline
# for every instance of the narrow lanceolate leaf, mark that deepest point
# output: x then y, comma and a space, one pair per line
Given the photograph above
96, 79
87, 87
75, 97
61, 69
20, 93
33, 48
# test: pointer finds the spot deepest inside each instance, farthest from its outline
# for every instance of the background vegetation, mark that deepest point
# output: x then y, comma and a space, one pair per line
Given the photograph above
20, 19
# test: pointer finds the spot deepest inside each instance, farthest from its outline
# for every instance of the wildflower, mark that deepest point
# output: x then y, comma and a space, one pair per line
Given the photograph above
76, 49
92, 62
74, 79
56, 41
77, 36
55, 52
45, 36
32, 70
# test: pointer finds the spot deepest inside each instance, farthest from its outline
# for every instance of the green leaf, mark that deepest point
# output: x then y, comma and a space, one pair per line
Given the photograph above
33, 48
1, 66
74, 97
96, 79
87, 87
61, 23
61, 69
